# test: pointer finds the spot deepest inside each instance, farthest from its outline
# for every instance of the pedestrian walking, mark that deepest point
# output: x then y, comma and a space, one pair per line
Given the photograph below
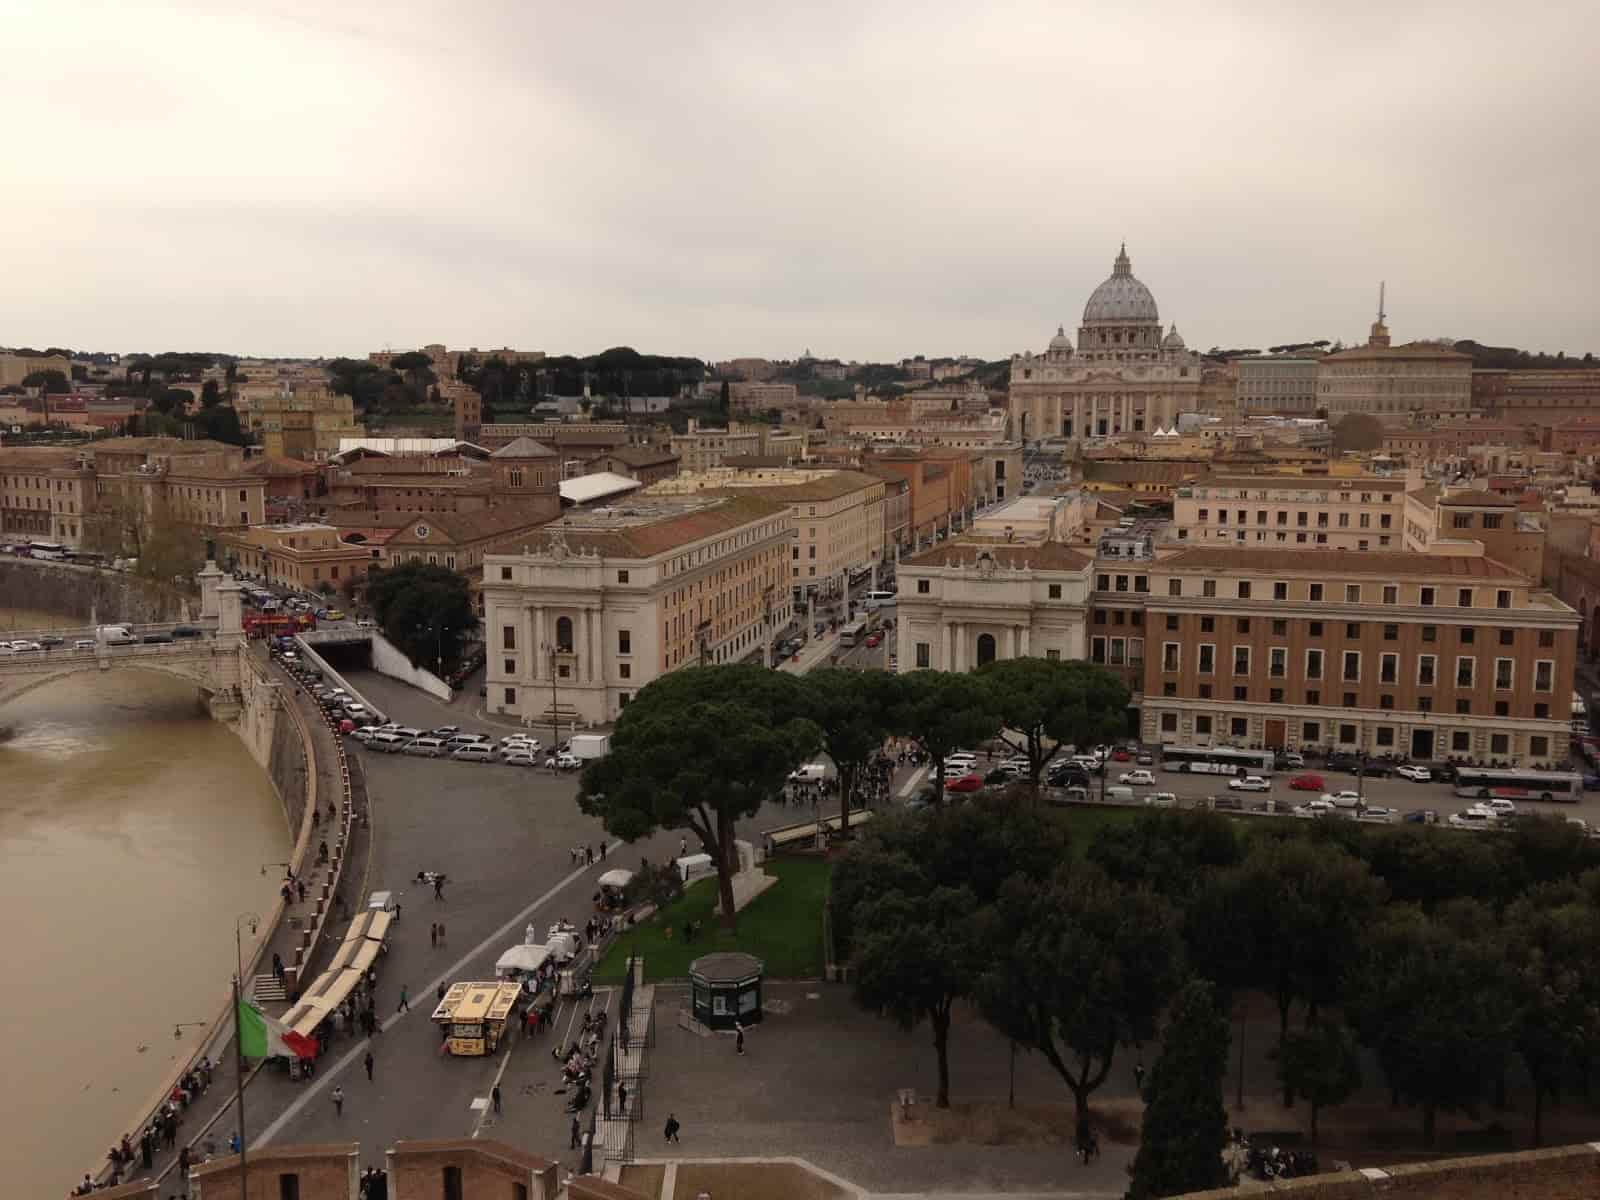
433, 935
574, 1144
441, 933
738, 1040
367, 1062
300, 885
602, 852
494, 1096
622, 1099
338, 1101
672, 1128
683, 846
404, 1007
438, 887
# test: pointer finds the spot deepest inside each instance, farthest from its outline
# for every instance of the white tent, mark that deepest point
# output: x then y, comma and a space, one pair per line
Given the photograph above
617, 878
521, 959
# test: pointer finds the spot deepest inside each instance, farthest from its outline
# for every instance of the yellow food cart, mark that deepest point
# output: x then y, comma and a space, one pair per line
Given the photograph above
474, 1015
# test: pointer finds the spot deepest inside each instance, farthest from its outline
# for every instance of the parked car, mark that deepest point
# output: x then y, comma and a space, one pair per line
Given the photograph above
1120, 755
1250, 783
1414, 773
1313, 809
187, 631
1307, 783
1342, 799
1228, 803
445, 730
1498, 807
1138, 778
473, 752
334, 614
1290, 760
519, 758
964, 783
1472, 818
1422, 816
874, 640
366, 623
568, 762
1378, 815
426, 747
1145, 759
1162, 800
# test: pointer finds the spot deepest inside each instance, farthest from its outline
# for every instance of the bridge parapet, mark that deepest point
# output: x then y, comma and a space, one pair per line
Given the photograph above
211, 662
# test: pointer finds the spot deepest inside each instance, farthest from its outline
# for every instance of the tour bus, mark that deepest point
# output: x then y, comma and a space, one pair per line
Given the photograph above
880, 599
1217, 760
1485, 783
54, 551
474, 1015
854, 633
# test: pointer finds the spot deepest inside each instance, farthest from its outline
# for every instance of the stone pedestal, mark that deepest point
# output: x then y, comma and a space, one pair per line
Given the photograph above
210, 577
750, 880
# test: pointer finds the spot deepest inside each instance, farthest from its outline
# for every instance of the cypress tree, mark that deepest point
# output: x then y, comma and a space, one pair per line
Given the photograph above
1185, 1123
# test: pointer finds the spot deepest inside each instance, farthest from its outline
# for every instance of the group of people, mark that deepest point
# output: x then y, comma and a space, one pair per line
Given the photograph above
161, 1133
374, 1184
585, 856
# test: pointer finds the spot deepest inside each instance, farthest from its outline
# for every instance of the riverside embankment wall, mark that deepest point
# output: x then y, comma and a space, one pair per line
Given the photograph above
89, 593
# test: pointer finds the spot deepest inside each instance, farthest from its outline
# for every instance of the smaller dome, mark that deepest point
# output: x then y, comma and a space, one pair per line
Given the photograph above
1173, 340
1061, 342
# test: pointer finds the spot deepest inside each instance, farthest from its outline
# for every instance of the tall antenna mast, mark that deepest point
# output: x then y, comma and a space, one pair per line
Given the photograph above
1381, 286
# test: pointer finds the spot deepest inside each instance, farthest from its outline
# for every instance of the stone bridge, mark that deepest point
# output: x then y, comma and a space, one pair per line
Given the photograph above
214, 662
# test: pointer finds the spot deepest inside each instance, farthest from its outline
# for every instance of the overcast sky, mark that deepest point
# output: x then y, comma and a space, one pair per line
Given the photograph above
869, 180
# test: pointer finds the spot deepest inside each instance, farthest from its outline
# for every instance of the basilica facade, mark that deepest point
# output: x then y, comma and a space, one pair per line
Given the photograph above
1125, 376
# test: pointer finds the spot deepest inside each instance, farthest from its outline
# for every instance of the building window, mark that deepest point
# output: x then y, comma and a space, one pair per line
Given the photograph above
1280, 628
1391, 594
1310, 732
1169, 722
1388, 668
1539, 746
1174, 587
1460, 741
1316, 591
1347, 733
1464, 598
1208, 660
1426, 597
1468, 636
1464, 671
1499, 743
922, 587
1241, 660
1055, 591
1169, 656
1280, 591
1352, 593
624, 641
1313, 664
1172, 622
1544, 673
1314, 629
1502, 598
1386, 732
505, 573
1052, 655
1208, 624
1502, 675
1244, 589
1278, 662
563, 635
1508, 637
511, 696
1313, 696
1391, 633
1425, 670
1169, 688
1097, 650
1202, 725
625, 670
1352, 666
510, 666
622, 577
1242, 624
1239, 727
1547, 638
508, 637
288, 1186
924, 653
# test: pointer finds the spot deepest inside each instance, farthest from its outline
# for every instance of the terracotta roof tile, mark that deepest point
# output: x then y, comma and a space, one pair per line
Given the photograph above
645, 538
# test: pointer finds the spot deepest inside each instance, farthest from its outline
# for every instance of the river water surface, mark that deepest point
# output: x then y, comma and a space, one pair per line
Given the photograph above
133, 829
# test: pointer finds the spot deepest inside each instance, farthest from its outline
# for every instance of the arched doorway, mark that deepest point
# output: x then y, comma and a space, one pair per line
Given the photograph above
564, 634
985, 648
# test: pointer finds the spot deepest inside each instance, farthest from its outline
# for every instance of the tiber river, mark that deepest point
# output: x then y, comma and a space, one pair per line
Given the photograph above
132, 829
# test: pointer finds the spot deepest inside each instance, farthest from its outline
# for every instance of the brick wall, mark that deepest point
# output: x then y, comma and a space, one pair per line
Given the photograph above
592, 1187
328, 1172
1563, 1173
489, 1170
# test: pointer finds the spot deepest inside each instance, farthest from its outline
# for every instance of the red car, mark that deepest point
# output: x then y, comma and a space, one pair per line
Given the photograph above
1121, 756
875, 640
966, 783
1307, 783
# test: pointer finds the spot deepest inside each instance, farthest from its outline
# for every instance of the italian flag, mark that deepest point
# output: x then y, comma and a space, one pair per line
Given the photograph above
262, 1037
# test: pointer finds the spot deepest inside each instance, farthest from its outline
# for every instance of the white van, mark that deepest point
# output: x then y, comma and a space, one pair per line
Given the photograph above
476, 752
427, 747
879, 599
1119, 795
386, 743
116, 635
694, 866
809, 773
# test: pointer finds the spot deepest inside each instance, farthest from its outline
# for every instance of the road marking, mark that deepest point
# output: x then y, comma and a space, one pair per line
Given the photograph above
484, 1103
911, 784
324, 1078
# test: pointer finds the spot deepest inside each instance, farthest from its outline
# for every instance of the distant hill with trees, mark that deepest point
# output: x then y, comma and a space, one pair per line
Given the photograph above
1509, 358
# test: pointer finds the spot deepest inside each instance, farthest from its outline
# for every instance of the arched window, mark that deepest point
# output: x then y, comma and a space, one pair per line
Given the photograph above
564, 634
985, 648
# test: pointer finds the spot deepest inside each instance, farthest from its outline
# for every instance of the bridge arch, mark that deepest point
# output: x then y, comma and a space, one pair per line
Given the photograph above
210, 675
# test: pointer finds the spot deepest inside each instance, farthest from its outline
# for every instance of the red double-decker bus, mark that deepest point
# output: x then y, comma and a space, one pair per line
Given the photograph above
260, 625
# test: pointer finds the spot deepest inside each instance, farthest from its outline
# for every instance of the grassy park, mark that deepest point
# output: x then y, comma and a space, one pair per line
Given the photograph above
782, 927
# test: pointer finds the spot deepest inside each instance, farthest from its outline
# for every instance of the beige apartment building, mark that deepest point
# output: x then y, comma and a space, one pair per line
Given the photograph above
1431, 657
1391, 381
1321, 512
701, 448
45, 494
14, 368
602, 602
1279, 383
1472, 523
837, 518
301, 556
302, 419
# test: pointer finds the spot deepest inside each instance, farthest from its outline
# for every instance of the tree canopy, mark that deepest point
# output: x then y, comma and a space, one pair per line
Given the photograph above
54, 383
425, 610
852, 709
1185, 1124
1046, 705
943, 711
699, 749
1358, 431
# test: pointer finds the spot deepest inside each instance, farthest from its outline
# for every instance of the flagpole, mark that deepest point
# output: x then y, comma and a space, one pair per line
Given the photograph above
238, 1044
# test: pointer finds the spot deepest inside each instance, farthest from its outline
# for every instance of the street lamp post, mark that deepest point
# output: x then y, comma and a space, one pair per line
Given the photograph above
555, 726
238, 1042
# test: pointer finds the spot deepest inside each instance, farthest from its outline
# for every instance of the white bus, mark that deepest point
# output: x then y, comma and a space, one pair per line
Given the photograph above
879, 599
50, 550
1217, 760
1485, 783
854, 633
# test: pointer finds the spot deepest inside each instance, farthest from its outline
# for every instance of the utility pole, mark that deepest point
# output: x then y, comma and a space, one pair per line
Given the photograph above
555, 719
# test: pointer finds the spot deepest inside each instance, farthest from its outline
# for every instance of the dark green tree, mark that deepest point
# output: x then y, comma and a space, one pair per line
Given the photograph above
53, 382
1185, 1123
1323, 1064
942, 712
1551, 936
915, 957
1302, 909
724, 400
1439, 1008
1358, 431
210, 394
1171, 851
425, 610
852, 710
1080, 968
416, 368
700, 749
221, 424
366, 383
1046, 705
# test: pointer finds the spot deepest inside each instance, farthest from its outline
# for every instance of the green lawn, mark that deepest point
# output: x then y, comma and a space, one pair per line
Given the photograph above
782, 927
